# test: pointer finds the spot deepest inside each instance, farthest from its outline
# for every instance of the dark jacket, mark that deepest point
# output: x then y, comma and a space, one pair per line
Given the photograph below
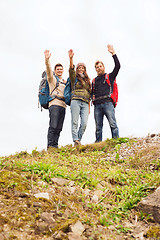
101, 87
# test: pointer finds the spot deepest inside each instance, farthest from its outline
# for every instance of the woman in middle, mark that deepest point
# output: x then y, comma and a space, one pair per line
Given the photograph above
80, 102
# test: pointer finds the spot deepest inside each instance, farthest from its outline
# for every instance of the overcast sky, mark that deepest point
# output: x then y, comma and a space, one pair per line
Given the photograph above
87, 26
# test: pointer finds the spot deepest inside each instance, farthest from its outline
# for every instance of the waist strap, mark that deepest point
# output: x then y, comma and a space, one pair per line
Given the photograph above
101, 97
59, 98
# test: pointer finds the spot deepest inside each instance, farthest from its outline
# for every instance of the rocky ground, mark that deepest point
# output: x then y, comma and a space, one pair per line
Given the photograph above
42, 210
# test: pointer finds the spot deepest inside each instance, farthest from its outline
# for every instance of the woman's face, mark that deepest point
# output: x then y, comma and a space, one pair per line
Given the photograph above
81, 69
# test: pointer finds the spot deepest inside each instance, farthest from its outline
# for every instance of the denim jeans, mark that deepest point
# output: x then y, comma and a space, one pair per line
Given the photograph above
79, 108
56, 115
101, 110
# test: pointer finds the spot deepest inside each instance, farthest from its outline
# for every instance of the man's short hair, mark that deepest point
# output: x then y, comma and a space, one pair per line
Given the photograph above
58, 65
97, 62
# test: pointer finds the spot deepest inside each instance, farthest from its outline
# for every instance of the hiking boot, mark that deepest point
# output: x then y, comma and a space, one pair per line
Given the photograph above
51, 148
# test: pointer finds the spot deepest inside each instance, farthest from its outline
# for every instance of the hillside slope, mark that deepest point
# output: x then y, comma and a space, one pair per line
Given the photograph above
88, 192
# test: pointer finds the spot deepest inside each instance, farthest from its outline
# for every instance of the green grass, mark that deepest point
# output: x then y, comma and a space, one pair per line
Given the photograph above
124, 181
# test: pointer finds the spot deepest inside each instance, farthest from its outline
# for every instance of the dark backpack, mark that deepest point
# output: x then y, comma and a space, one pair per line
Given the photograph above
44, 96
68, 91
113, 92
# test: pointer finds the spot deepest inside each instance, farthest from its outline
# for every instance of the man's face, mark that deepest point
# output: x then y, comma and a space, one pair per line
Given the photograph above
59, 71
100, 69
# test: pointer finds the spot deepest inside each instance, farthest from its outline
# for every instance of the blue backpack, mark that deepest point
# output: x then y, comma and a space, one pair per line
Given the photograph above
68, 91
44, 96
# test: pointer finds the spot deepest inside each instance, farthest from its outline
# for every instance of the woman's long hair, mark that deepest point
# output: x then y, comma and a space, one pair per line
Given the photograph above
83, 78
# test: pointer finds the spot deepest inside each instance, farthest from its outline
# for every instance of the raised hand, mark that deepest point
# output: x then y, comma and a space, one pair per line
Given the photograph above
111, 49
71, 53
47, 54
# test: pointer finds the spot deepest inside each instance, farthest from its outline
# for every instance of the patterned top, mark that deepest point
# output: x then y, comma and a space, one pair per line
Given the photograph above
59, 91
80, 92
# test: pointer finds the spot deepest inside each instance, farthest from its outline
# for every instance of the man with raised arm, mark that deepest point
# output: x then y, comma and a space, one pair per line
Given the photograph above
101, 97
57, 106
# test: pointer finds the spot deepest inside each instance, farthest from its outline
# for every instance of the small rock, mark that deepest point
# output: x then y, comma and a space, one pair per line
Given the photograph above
42, 227
86, 192
128, 225
20, 194
108, 206
101, 229
99, 186
138, 236
151, 167
47, 217
42, 195
153, 135
139, 230
71, 184
74, 236
127, 169
59, 235
66, 213
111, 227
41, 183
37, 204
99, 193
71, 190
60, 181
94, 198
77, 228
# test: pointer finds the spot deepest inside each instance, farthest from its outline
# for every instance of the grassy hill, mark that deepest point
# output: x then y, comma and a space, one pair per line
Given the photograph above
98, 185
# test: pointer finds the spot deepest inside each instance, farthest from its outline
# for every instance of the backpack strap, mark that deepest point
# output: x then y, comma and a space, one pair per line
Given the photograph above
109, 83
107, 79
93, 87
57, 84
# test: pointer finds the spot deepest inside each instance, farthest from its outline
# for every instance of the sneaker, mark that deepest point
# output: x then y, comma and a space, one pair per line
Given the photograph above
76, 143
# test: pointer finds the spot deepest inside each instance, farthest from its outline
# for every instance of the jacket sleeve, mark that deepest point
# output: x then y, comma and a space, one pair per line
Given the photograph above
72, 76
50, 77
115, 71
92, 90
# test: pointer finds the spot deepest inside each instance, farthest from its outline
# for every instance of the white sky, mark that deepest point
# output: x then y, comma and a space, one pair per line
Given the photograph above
87, 26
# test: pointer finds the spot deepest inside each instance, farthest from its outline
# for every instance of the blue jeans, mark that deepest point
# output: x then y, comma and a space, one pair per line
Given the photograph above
101, 110
79, 108
56, 115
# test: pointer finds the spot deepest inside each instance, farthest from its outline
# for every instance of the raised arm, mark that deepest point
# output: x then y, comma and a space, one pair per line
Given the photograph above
50, 76
71, 54
117, 66
72, 73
